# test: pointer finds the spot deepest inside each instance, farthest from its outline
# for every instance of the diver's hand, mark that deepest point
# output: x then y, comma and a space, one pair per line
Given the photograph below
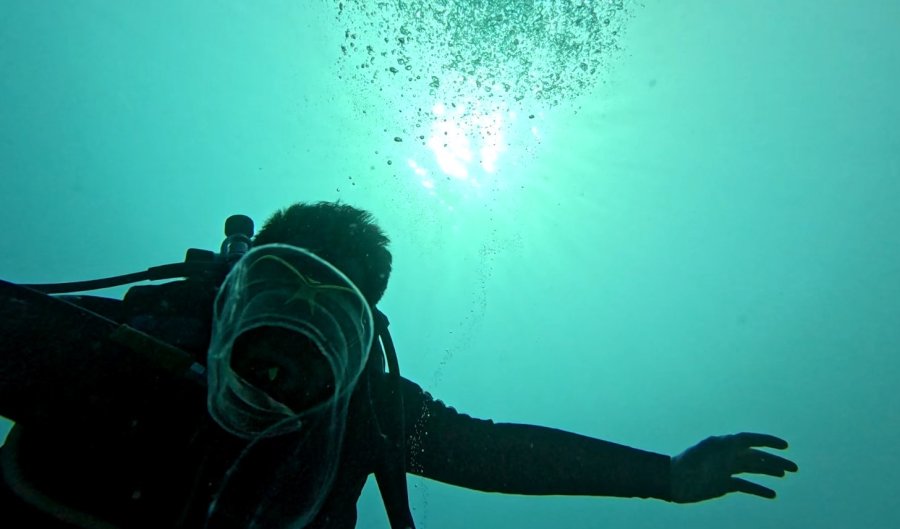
705, 470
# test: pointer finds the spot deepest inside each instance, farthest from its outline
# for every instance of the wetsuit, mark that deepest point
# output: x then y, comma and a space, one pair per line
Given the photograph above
159, 462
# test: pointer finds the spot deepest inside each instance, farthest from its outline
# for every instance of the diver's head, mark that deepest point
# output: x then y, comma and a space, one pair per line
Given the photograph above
345, 236
284, 364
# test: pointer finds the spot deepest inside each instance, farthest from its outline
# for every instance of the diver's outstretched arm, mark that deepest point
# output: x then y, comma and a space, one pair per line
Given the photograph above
454, 448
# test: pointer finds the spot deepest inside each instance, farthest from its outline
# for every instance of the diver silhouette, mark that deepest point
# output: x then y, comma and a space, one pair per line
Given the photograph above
263, 390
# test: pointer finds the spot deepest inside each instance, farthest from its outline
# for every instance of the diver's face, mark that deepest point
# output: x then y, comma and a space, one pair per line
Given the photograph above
286, 365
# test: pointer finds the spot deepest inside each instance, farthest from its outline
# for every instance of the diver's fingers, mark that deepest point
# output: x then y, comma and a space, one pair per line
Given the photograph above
747, 439
742, 485
759, 462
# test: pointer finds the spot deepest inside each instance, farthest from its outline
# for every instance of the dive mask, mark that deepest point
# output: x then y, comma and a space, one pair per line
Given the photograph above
283, 313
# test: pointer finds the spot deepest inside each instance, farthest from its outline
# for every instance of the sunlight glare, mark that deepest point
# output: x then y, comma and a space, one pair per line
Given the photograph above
466, 146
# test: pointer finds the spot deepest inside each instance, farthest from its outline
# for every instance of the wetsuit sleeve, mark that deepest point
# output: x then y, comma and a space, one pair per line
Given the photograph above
447, 446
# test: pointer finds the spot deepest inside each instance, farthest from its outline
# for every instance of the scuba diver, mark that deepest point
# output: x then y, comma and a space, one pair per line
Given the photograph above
261, 389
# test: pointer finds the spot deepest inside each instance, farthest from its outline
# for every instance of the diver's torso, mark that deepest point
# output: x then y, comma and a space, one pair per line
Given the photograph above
158, 472
160, 462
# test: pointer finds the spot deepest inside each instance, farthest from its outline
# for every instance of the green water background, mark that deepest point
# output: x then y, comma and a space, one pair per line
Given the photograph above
708, 242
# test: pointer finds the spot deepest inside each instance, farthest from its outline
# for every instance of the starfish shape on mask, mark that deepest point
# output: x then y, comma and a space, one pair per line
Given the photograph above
307, 288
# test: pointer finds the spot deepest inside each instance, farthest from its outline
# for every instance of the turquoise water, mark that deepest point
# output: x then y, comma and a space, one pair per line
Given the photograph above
706, 240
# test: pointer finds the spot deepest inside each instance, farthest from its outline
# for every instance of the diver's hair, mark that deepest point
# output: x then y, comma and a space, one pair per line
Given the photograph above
345, 236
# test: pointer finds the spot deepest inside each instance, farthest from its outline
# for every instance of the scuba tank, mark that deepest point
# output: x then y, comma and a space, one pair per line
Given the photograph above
33, 361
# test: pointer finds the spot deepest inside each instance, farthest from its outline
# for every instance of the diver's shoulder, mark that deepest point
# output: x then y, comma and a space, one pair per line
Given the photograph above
179, 312
186, 295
